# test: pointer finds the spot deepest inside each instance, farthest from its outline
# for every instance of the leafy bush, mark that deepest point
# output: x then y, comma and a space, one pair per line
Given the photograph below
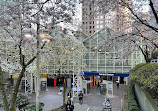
146, 75
133, 75
32, 107
133, 106
22, 99
23, 102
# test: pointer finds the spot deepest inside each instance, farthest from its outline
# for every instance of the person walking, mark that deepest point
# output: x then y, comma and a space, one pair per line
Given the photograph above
98, 84
106, 105
59, 82
80, 97
69, 95
117, 82
69, 106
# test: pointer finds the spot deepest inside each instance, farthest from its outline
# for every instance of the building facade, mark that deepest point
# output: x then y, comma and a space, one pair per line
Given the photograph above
94, 19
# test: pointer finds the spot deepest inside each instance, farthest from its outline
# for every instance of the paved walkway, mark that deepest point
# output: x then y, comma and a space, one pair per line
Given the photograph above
50, 98
93, 100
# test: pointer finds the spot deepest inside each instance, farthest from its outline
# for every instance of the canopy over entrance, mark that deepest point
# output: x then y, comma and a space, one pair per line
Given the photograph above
105, 74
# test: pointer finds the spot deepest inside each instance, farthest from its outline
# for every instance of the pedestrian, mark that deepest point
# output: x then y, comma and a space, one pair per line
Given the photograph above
72, 100
98, 84
117, 82
69, 95
80, 97
69, 106
106, 105
59, 82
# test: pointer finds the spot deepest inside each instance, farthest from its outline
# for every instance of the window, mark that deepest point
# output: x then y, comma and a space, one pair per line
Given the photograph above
101, 17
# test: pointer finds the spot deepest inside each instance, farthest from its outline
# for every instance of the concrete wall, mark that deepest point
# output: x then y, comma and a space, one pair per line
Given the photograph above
144, 101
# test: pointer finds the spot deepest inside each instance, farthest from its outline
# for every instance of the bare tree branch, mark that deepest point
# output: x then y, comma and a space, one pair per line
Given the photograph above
154, 11
141, 21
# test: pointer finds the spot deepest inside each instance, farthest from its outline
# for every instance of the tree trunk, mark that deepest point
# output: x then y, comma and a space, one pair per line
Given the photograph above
64, 92
5, 101
14, 95
147, 59
37, 82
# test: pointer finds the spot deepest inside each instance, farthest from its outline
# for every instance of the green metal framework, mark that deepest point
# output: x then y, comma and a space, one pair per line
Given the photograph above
107, 59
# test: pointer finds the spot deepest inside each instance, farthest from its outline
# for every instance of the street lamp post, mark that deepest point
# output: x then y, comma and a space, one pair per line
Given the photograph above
38, 68
37, 79
72, 49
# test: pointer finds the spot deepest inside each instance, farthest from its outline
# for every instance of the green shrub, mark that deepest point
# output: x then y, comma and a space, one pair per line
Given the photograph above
146, 75
133, 106
23, 103
133, 71
21, 99
32, 107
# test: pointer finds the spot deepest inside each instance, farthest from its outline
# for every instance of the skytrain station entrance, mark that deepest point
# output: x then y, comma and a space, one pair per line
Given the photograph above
105, 80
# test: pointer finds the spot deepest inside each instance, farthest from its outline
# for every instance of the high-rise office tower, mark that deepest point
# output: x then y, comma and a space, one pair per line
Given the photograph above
94, 20
88, 25
124, 18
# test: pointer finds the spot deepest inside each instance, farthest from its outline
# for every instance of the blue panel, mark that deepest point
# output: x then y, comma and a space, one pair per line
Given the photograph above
90, 73
121, 75
87, 79
105, 74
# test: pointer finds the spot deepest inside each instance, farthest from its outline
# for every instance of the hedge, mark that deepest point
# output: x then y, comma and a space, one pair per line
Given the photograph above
23, 103
132, 103
146, 75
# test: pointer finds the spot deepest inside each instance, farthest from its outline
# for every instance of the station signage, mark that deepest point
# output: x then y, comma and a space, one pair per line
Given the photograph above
106, 74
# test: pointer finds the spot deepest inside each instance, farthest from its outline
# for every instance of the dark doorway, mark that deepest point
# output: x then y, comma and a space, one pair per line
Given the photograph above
121, 80
50, 82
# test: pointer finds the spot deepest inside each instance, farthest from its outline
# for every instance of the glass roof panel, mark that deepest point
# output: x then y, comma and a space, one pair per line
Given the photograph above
101, 35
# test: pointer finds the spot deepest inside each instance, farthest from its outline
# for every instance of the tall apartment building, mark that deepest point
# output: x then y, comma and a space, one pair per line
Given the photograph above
124, 18
88, 25
93, 21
